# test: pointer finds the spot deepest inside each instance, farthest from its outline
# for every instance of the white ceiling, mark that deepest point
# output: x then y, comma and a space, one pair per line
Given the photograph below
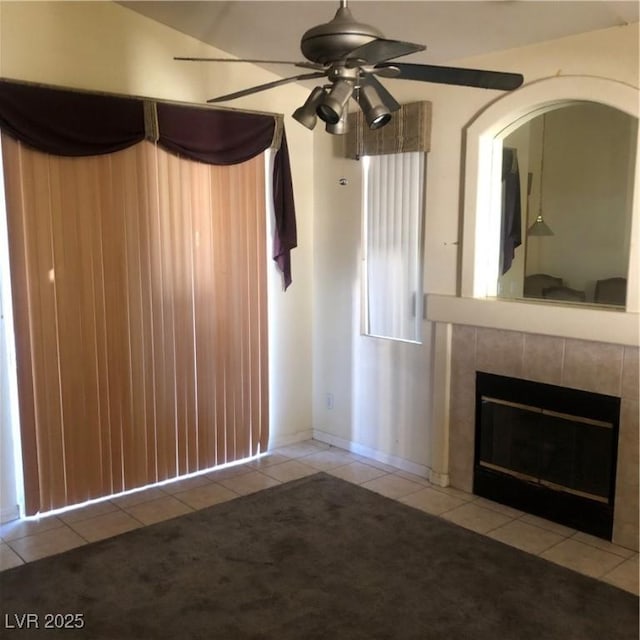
451, 29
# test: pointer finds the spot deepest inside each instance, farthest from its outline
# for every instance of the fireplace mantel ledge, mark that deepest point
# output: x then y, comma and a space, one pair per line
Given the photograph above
565, 321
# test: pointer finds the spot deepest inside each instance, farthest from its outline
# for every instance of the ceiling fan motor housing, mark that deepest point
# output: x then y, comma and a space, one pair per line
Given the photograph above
334, 40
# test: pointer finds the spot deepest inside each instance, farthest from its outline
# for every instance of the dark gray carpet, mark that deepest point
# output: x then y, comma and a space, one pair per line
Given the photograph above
317, 558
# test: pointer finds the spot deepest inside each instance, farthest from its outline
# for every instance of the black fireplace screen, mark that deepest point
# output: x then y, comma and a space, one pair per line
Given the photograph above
558, 450
547, 450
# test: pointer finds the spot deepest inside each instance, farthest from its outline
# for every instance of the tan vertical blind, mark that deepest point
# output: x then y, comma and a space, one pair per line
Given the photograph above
140, 300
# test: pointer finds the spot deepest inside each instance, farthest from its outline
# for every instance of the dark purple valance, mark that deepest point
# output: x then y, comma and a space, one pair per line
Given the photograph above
76, 123
214, 137
70, 123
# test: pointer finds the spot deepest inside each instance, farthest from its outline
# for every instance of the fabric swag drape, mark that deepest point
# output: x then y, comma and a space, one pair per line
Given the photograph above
76, 123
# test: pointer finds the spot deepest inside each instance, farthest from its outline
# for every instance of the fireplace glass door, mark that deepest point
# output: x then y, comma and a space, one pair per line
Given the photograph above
557, 450
547, 450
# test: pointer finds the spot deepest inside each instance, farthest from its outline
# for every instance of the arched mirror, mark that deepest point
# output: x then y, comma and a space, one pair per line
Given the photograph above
567, 198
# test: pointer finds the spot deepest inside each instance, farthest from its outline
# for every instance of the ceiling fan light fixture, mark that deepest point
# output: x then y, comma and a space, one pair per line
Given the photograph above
341, 127
539, 228
332, 106
306, 114
376, 114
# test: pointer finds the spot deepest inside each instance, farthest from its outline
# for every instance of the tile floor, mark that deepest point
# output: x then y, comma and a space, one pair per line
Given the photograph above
26, 540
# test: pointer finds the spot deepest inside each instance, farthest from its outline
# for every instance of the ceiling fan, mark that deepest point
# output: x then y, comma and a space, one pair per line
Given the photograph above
351, 56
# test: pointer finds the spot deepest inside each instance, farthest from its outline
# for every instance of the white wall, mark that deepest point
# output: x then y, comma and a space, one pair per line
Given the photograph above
385, 398
103, 46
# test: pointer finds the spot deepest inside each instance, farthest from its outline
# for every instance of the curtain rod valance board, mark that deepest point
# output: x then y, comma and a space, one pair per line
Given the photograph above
81, 123
409, 130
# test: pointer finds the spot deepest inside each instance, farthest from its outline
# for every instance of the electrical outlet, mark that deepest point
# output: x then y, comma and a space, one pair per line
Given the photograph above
329, 400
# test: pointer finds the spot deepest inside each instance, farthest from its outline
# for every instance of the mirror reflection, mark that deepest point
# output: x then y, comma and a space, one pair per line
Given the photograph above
567, 188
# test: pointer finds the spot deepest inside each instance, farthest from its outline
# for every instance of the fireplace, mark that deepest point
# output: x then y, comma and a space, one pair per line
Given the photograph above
547, 450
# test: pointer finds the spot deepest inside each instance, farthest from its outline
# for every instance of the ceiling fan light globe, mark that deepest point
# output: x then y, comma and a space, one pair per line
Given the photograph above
378, 120
375, 112
332, 106
304, 118
306, 114
329, 113
339, 128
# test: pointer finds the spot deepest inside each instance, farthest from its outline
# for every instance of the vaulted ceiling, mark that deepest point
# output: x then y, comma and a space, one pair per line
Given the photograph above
452, 30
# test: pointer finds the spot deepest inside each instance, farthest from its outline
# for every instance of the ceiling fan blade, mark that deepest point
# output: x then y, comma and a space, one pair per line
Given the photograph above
381, 49
455, 75
387, 99
303, 64
264, 87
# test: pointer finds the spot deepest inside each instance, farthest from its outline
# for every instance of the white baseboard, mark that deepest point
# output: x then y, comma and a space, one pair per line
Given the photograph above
380, 456
9, 513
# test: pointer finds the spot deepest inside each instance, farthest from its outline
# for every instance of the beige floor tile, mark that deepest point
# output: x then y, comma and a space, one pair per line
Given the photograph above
90, 511
356, 472
328, 459
8, 557
456, 493
300, 449
137, 497
605, 545
582, 558
22, 528
625, 575
500, 508
392, 486
476, 518
158, 510
413, 477
47, 543
105, 526
432, 501
187, 483
526, 537
249, 482
230, 472
206, 495
383, 466
291, 470
548, 525
268, 460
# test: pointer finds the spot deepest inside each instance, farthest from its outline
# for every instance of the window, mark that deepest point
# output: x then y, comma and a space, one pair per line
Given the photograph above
393, 214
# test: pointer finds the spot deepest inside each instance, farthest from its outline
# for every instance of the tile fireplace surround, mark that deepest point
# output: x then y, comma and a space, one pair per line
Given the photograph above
592, 366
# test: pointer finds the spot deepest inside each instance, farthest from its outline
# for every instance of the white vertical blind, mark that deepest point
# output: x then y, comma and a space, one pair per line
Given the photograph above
394, 198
